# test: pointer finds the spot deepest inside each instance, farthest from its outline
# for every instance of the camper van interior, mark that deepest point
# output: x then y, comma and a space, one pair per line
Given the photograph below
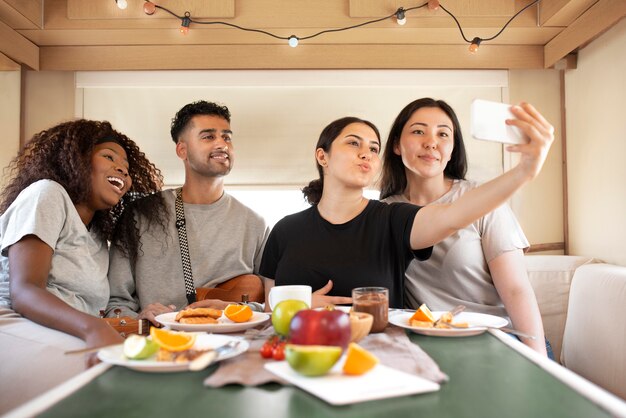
134, 63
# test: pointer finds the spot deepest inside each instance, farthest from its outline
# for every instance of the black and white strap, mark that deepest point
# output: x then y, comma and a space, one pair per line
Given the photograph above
190, 289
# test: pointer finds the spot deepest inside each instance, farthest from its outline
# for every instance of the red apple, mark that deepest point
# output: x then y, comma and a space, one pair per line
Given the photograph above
323, 327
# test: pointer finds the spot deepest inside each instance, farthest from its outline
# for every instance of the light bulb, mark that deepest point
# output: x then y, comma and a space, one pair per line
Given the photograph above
293, 41
433, 4
184, 25
475, 44
400, 16
149, 8
122, 4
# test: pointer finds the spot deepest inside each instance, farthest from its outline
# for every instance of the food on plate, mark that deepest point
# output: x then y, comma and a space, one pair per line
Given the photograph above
424, 318
274, 348
358, 360
320, 327
312, 360
423, 314
238, 313
360, 325
199, 312
139, 347
179, 356
283, 312
172, 340
196, 320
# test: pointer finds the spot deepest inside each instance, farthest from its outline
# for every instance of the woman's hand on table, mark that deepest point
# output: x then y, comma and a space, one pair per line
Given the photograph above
102, 334
320, 299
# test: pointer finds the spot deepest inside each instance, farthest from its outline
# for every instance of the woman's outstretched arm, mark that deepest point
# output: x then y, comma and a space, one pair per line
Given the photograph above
433, 223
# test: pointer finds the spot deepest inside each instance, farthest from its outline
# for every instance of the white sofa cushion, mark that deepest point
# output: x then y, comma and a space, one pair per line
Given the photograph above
550, 277
595, 333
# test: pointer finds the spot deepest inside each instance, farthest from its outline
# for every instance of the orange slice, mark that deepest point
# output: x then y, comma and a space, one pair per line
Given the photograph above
358, 360
423, 314
172, 340
238, 313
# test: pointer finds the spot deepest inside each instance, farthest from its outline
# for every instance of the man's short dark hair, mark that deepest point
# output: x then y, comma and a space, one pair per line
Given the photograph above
201, 107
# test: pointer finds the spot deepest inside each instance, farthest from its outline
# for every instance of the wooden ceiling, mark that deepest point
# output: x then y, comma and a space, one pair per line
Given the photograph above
73, 35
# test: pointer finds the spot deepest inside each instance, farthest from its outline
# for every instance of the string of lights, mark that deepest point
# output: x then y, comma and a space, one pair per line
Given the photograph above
399, 15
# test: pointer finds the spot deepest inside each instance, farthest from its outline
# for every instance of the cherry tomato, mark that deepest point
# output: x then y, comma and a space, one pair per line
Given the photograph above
279, 352
267, 350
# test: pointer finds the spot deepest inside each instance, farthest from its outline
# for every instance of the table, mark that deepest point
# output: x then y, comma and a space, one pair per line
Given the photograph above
489, 377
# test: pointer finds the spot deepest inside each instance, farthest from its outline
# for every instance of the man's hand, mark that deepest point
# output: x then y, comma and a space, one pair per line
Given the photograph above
211, 303
319, 299
153, 310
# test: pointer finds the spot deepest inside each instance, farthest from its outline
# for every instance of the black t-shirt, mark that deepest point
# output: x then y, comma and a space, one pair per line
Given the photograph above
373, 249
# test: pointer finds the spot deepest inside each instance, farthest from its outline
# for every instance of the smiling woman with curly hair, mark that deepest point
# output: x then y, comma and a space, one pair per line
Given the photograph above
65, 194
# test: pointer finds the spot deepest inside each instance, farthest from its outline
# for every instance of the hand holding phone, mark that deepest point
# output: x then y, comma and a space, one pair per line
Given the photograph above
488, 122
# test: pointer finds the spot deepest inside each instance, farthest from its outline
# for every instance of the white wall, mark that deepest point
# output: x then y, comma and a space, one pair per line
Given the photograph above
596, 148
539, 205
277, 115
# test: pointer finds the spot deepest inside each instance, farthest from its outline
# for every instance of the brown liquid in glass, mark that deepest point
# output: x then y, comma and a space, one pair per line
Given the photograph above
375, 304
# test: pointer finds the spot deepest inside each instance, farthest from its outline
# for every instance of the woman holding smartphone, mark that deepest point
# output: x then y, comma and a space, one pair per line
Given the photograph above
481, 265
345, 240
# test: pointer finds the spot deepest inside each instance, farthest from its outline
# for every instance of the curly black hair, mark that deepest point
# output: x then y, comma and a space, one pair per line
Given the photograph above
184, 115
63, 154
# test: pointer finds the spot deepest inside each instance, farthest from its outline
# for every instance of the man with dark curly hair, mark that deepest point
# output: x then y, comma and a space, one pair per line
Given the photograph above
224, 237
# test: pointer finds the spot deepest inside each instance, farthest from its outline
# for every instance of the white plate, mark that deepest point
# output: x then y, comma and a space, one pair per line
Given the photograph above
223, 326
477, 322
337, 388
115, 355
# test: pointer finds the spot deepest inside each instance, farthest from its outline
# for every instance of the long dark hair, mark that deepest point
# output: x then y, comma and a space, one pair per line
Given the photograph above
394, 176
63, 154
313, 192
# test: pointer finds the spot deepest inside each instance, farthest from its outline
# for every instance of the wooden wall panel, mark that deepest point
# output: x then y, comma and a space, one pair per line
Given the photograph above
198, 57
7, 64
216, 36
18, 48
562, 12
99, 9
379, 8
22, 14
596, 20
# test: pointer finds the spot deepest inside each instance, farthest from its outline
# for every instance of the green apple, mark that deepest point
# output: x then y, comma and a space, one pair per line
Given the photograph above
283, 312
137, 347
312, 360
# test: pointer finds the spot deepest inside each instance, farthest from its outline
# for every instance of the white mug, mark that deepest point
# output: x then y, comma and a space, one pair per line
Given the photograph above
280, 293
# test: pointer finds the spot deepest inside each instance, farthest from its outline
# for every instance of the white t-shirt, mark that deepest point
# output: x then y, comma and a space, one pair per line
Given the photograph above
78, 274
457, 272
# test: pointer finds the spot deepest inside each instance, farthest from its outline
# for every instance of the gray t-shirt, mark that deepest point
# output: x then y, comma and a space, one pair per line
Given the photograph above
226, 239
457, 272
78, 274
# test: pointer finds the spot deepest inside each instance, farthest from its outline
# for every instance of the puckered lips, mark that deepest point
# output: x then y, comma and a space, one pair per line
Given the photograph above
118, 183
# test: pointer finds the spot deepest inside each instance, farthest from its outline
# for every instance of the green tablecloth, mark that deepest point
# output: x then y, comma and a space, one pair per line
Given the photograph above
487, 379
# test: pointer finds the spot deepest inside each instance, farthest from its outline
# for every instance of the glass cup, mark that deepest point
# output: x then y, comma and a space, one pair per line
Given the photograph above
280, 293
374, 301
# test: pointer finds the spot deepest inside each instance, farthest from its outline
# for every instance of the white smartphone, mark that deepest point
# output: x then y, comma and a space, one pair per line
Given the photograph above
488, 123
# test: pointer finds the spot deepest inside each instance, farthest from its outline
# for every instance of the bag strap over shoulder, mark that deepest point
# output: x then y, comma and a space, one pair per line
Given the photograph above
190, 289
